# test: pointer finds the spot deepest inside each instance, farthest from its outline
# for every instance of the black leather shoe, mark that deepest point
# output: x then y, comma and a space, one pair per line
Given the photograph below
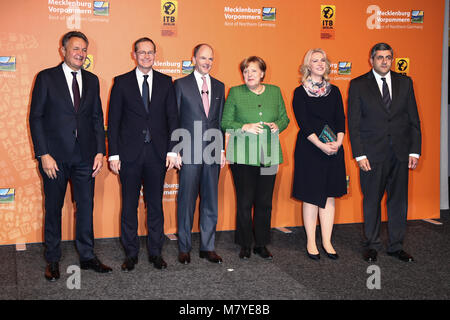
184, 258
370, 255
96, 265
402, 255
245, 253
52, 271
129, 263
332, 256
313, 256
158, 262
212, 256
263, 253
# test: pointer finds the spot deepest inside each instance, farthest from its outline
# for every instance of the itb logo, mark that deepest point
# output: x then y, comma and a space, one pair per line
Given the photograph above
402, 65
169, 15
328, 19
88, 64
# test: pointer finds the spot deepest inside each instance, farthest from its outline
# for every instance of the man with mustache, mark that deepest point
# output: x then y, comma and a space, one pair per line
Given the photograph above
385, 136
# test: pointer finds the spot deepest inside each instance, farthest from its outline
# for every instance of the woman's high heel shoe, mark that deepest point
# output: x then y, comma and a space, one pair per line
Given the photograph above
313, 256
332, 256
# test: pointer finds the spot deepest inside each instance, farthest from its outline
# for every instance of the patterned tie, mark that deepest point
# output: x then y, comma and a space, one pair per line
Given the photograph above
145, 92
76, 92
386, 96
205, 98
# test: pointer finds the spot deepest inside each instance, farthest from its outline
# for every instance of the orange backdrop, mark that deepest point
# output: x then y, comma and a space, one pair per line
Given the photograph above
281, 34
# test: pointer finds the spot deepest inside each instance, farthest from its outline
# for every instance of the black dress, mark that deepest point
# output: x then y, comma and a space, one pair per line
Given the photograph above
317, 175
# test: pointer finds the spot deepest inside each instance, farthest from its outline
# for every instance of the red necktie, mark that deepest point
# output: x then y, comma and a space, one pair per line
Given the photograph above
205, 98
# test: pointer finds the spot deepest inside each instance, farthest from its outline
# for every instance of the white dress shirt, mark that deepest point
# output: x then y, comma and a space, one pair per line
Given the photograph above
380, 86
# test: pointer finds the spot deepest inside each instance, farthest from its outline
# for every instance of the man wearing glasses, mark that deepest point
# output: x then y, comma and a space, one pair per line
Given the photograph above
142, 116
385, 136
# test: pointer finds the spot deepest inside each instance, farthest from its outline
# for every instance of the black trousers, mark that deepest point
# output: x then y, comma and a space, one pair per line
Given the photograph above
148, 169
79, 172
390, 176
254, 188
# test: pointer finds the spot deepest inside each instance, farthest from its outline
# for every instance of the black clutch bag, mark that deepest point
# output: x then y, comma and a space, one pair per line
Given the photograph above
327, 135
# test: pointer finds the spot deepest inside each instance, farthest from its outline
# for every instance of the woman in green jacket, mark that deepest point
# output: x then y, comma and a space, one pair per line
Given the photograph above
253, 116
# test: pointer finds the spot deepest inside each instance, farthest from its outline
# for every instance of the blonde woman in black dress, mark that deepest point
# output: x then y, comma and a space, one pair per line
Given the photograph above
319, 174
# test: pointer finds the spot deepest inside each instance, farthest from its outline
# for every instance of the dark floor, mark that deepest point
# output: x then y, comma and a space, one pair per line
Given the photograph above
290, 276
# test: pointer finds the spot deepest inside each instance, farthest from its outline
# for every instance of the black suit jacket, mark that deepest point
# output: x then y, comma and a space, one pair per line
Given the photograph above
128, 120
55, 125
372, 128
192, 113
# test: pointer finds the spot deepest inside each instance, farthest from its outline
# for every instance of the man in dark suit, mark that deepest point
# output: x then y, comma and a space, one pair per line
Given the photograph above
385, 136
67, 129
142, 116
200, 100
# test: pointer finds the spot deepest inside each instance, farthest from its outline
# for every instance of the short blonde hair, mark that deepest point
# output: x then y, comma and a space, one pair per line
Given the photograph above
304, 68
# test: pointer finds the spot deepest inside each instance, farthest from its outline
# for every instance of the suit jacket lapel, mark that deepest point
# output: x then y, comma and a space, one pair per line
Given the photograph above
196, 93
395, 84
61, 83
214, 91
134, 85
84, 89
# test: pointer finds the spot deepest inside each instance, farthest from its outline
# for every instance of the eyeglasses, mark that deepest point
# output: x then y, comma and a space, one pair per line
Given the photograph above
144, 53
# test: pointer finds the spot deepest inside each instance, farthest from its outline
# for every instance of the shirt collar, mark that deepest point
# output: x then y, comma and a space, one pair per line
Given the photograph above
378, 77
69, 70
199, 76
139, 73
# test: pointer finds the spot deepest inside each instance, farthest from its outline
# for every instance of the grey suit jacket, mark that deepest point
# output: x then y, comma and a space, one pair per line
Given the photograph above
200, 132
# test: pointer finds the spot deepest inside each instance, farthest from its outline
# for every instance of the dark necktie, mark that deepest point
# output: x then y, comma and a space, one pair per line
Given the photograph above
386, 96
145, 92
76, 92
145, 99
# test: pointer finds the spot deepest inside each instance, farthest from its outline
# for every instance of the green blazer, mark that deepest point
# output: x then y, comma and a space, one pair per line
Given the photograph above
243, 106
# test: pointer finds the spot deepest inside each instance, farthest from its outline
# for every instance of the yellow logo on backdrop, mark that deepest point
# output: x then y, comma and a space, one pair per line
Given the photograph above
328, 19
169, 16
402, 65
88, 64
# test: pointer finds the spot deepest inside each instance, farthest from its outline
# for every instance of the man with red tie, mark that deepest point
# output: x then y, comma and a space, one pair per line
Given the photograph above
200, 100
67, 129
